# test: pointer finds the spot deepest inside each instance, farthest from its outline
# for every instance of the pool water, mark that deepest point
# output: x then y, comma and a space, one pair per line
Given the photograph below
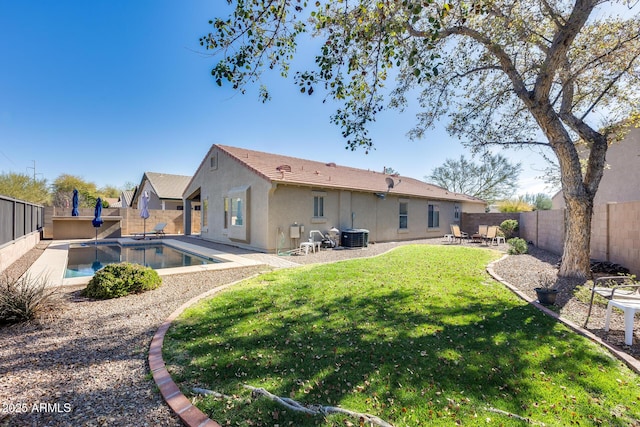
84, 260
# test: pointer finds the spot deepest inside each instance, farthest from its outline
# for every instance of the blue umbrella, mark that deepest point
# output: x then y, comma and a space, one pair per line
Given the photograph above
97, 219
74, 211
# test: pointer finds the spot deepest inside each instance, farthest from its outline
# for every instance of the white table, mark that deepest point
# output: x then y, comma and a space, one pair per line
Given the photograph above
448, 238
314, 246
629, 308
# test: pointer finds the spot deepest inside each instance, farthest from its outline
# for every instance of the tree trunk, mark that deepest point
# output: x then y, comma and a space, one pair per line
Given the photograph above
577, 237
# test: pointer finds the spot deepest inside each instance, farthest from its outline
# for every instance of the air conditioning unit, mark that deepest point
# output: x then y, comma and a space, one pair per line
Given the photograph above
354, 238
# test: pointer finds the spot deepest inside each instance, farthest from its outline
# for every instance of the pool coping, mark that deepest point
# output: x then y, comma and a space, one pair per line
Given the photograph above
53, 261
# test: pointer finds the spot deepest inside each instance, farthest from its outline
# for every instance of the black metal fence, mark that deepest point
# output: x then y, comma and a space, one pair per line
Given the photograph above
18, 218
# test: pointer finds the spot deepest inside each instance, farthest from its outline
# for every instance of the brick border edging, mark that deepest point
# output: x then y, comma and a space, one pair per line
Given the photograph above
178, 402
630, 361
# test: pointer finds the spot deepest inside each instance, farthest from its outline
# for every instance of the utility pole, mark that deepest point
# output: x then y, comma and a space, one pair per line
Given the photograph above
34, 170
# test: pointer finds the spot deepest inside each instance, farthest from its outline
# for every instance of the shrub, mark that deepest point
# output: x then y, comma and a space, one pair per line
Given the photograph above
26, 298
117, 280
517, 246
514, 206
509, 227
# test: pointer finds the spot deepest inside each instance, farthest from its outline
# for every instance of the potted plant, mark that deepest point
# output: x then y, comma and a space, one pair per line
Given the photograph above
546, 292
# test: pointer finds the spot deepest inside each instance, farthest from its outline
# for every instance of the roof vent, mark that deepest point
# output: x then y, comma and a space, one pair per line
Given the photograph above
284, 168
331, 165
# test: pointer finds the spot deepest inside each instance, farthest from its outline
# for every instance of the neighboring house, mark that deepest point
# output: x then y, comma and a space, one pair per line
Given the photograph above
113, 202
621, 179
165, 191
126, 197
252, 199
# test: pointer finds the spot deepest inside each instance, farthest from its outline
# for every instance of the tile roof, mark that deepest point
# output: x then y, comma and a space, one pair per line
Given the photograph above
113, 202
127, 195
292, 170
168, 186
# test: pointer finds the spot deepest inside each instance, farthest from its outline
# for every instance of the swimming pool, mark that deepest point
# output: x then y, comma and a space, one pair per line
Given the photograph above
86, 258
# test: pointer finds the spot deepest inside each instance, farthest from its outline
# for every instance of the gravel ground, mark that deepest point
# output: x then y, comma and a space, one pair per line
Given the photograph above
88, 366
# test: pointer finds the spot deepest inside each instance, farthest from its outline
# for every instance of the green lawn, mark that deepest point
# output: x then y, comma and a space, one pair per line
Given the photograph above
419, 336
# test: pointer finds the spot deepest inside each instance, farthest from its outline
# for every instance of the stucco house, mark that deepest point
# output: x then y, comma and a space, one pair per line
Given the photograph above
621, 178
255, 199
165, 191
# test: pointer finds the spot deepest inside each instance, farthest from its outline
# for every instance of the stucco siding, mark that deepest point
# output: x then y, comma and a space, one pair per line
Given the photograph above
267, 207
621, 179
217, 183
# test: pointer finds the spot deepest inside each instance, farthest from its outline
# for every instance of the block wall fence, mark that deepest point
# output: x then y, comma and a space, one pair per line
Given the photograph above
615, 232
131, 222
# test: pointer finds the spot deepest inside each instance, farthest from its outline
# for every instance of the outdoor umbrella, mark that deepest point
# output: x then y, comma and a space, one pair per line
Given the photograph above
97, 219
74, 211
144, 212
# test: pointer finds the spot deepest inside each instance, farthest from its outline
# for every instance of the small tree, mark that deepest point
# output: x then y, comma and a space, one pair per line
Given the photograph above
514, 205
540, 201
495, 178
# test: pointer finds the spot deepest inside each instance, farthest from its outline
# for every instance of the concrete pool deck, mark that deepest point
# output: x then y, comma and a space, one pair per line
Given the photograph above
53, 262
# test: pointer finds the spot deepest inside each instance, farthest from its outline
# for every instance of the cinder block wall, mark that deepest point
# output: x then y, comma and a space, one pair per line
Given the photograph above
624, 235
131, 222
469, 222
544, 229
615, 232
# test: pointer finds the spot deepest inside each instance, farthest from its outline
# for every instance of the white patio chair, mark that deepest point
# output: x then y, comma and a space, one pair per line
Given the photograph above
621, 288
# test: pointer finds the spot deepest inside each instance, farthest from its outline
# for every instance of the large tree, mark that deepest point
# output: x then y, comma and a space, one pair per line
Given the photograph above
22, 186
548, 73
63, 186
495, 178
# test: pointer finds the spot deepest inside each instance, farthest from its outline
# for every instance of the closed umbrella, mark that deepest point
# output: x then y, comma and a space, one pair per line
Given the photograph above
144, 212
97, 219
74, 211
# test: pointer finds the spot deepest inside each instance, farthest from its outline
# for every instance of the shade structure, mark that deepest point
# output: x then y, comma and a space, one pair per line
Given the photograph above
97, 219
74, 210
144, 211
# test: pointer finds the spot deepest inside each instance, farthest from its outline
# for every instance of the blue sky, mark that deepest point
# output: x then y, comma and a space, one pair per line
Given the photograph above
109, 90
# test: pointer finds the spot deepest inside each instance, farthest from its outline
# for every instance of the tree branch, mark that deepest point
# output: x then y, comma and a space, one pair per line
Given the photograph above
560, 45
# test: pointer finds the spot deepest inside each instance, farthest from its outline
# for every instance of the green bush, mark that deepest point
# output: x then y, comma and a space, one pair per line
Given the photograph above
118, 280
26, 299
517, 246
509, 227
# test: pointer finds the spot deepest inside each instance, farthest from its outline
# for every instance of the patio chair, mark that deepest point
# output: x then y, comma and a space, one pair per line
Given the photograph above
483, 230
157, 231
620, 288
491, 235
457, 234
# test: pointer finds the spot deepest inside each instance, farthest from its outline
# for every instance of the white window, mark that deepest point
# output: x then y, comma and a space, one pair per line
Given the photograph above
318, 206
434, 216
403, 215
204, 212
227, 203
236, 212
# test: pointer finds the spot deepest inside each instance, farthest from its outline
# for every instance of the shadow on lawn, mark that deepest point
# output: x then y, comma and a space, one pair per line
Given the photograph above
374, 353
